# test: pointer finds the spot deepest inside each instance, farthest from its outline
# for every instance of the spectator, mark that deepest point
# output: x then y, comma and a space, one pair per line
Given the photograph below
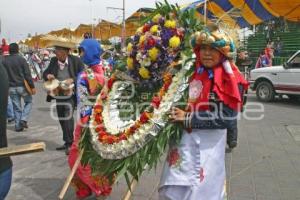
262, 60
18, 72
5, 162
278, 47
4, 47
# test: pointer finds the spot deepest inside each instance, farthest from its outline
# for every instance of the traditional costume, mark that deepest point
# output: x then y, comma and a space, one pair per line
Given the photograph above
195, 168
89, 84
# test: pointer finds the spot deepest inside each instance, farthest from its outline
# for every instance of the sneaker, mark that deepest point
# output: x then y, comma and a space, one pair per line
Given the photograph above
63, 147
24, 124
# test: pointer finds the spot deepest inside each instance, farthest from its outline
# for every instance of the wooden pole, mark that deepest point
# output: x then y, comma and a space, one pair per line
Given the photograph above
129, 191
70, 177
22, 149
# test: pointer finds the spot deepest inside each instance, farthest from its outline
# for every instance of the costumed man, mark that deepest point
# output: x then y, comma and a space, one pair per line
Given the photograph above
195, 168
64, 68
90, 83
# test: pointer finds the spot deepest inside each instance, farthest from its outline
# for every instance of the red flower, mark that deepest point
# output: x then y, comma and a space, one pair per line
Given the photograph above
155, 101
144, 118
98, 118
132, 129
166, 86
110, 139
173, 157
123, 137
98, 108
146, 28
151, 42
99, 128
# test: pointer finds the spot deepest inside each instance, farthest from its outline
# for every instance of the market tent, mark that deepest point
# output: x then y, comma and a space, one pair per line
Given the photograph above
243, 13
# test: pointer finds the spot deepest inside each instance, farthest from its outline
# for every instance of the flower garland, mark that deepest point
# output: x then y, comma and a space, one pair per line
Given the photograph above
124, 142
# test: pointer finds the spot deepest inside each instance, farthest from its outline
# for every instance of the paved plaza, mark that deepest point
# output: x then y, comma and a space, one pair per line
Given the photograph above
265, 166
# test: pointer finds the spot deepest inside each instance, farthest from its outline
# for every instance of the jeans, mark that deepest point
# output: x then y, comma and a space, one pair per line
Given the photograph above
16, 93
5, 182
10, 109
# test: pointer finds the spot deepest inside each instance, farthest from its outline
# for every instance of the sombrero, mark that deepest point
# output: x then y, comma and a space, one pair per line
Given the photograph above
56, 41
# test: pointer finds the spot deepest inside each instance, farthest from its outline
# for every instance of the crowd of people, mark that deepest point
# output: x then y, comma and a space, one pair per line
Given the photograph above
85, 76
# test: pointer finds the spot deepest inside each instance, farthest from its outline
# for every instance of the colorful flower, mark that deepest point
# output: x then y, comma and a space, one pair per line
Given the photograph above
142, 39
129, 47
154, 29
156, 18
153, 53
146, 28
151, 42
174, 42
130, 63
144, 118
156, 101
98, 108
170, 24
145, 74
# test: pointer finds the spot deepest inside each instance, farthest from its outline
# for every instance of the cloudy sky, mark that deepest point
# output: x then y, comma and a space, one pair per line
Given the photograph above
20, 17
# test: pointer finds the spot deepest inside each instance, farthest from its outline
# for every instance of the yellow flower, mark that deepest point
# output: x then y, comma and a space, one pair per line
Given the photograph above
154, 29
174, 42
156, 18
142, 39
144, 73
170, 24
130, 63
153, 53
129, 47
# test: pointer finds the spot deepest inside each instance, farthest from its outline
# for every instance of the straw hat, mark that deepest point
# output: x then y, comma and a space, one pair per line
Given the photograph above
57, 41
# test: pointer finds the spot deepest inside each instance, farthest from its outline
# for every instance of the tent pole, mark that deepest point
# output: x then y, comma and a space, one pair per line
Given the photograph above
124, 27
205, 12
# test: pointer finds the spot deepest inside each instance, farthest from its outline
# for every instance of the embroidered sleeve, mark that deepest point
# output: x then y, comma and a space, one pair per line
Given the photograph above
84, 106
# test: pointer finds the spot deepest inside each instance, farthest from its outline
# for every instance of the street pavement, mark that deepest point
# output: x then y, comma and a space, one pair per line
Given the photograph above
264, 166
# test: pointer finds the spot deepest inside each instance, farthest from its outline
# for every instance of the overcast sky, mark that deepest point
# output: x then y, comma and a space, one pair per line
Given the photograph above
20, 17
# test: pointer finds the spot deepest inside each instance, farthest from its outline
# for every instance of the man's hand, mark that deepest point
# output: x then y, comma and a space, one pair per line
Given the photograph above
177, 115
50, 77
69, 81
33, 91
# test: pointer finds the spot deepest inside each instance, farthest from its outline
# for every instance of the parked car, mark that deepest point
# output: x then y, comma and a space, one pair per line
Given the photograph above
277, 80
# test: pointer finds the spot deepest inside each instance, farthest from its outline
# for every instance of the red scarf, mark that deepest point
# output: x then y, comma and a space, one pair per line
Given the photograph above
226, 77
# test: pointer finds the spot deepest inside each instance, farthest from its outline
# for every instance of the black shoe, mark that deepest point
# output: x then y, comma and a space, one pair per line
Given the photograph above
24, 124
19, 129
11, 120
67, 150
63, 147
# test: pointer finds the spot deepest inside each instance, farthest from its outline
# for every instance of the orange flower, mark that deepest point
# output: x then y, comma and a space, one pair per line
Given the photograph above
98, 109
